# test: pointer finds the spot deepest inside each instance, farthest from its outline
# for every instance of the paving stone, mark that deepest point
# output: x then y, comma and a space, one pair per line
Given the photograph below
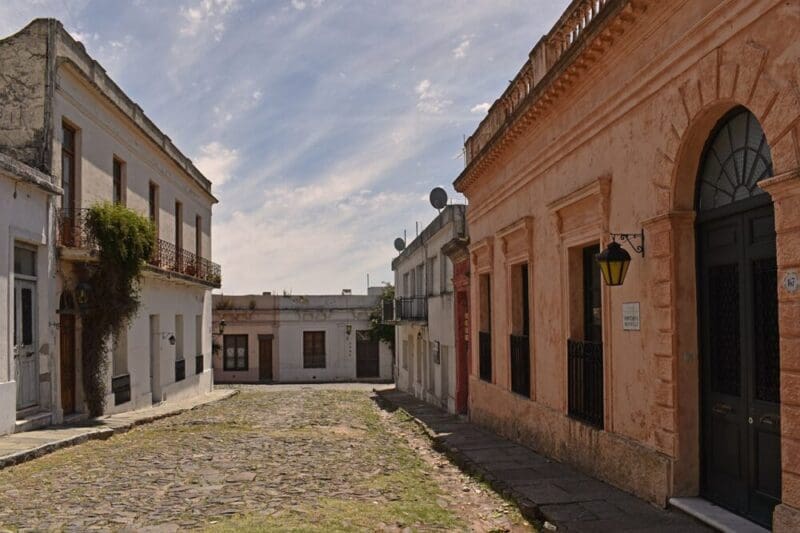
565, 496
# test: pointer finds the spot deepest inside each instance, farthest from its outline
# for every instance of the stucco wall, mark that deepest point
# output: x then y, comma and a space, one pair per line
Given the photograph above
103, 133
436, 381
23, 66
25, 220
615, 150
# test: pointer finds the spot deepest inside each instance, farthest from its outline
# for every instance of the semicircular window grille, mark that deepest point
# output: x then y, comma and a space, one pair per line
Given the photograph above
736, 158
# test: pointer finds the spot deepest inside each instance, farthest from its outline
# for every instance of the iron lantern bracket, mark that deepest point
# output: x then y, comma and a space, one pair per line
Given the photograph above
628, 237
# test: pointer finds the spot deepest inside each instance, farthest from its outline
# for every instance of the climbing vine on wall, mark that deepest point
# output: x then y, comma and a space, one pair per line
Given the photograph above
125, 240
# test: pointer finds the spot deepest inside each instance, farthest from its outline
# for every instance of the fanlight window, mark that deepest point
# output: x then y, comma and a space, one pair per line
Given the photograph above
737, 157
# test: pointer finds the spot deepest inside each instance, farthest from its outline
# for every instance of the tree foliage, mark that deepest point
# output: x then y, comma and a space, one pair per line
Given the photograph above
377, 329
125, 241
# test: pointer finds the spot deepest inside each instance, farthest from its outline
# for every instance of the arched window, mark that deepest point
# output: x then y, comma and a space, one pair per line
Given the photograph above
736, 158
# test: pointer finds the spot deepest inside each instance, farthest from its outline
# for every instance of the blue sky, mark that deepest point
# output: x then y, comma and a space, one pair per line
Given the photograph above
322, 123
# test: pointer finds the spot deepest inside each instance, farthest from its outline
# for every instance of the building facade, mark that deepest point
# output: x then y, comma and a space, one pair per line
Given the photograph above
678, 123
27, 266
64, 116
298, 339
425, 311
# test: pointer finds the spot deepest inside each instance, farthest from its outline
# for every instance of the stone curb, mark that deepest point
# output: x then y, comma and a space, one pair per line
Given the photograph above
100, 434
528, 508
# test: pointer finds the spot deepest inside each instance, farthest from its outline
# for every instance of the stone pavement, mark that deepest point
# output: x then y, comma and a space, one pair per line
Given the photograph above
21, 447
267, 459
544, 489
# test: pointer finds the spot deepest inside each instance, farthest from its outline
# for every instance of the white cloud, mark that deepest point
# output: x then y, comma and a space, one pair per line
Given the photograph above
460, 51
206, 15
217, 162
430, 98
298, 4
481, 108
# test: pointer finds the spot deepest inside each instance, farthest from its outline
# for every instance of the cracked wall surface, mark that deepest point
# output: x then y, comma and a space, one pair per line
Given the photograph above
23, 96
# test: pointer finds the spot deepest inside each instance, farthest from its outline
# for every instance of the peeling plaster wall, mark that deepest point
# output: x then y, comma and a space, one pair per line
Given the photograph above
23, 93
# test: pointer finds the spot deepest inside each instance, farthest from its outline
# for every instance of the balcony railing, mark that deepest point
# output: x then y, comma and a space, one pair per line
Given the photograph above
73, 233
485, 355
198, 364
585, 378
412, 309
520, 365
579, 17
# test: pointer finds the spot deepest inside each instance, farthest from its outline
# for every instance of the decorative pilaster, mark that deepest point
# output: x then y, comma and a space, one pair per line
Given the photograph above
785, 192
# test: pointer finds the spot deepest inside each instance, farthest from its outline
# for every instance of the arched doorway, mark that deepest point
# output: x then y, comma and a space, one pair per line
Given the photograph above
738, 320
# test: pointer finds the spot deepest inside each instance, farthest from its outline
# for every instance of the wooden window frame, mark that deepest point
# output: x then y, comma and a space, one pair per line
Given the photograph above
312, 358
153, 204
118, 183
70, 190
235, 339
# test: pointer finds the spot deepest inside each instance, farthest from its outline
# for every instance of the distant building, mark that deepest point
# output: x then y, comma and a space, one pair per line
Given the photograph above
61, 114
425, 313
298, 338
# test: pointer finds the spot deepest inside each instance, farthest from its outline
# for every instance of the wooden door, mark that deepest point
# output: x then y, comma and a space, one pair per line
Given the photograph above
367, 356
67, 359
25, 353
265, 358
737, 277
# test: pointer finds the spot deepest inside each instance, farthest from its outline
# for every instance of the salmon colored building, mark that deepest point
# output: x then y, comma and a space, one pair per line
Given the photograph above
677, 122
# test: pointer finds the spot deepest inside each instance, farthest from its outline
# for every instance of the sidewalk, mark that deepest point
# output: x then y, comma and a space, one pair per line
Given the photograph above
21, 447
544, 490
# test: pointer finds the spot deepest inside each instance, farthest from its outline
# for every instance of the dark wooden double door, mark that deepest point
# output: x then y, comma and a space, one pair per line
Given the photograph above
739, 342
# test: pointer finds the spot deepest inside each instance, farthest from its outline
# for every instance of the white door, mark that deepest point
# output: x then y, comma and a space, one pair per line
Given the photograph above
25, 358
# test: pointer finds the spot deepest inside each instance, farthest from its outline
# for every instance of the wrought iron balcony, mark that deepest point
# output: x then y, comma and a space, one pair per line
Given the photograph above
198, 364
74, 233
412, 309
180, 370
585, 381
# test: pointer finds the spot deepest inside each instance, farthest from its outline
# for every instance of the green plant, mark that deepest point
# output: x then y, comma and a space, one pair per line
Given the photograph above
125, 241
378, 330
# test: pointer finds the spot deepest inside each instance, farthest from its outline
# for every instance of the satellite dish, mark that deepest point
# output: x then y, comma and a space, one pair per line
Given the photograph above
438, 198
399, 244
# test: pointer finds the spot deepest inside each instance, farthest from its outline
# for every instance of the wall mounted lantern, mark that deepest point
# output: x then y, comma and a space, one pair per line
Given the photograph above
349, 328
222, 326
82, 295
170, 337
614, 260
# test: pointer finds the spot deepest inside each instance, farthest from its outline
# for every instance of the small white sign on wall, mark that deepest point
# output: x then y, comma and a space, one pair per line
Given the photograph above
790, 282
630, 316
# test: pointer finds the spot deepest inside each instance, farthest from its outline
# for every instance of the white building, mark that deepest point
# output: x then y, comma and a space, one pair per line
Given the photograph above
63, 115
304, 338
26, 270
424, 311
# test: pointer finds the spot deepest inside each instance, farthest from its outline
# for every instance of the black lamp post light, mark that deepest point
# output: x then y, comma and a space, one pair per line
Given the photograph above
615, 260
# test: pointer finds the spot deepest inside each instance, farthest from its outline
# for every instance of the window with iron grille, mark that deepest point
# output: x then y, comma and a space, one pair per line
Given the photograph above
235, 352
313, 349
485, 328
585, 348
520, 331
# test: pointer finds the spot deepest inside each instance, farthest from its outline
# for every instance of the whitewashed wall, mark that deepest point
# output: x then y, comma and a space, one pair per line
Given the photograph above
25, 219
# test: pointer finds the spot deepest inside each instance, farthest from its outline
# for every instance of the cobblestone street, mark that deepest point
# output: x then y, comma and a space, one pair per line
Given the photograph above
293, 458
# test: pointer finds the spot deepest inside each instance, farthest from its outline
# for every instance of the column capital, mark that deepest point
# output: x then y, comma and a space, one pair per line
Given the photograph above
783, 185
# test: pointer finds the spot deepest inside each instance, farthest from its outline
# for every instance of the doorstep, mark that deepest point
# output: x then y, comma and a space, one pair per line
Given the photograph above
715, 516
32, 420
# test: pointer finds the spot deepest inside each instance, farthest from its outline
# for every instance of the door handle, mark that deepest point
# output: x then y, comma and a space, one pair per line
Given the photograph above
769, 420
722, 409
